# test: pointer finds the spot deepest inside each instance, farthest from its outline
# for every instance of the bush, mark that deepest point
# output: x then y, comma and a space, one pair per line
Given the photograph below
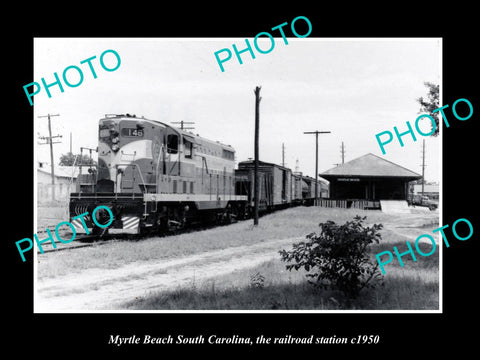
257, 281
338, 258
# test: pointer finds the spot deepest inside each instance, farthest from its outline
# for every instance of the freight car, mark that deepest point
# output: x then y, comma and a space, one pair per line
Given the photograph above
278, 186
153, 176
297, 185
308, 189
274, 184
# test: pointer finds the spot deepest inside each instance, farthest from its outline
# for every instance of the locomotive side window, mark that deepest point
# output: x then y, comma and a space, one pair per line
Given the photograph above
228, 155
188, 148
172, 144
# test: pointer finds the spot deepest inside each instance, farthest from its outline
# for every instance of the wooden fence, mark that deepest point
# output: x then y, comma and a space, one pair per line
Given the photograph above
349, 204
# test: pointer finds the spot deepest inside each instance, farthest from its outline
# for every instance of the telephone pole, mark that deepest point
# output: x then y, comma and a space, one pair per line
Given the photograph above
316, 132
423, 168
183, 122
343, 153
283, 154
49, 140
255, 171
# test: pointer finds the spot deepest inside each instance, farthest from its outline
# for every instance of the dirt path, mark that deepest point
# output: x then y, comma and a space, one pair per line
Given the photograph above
411, 226
95, 289
107, 289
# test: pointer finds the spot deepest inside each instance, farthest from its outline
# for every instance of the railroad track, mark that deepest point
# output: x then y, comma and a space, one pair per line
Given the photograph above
81, 241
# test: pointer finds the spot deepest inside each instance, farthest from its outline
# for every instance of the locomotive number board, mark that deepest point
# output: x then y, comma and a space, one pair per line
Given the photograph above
132, 132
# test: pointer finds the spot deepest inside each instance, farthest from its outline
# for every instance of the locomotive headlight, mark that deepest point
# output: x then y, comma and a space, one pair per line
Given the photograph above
115, 140
115, 147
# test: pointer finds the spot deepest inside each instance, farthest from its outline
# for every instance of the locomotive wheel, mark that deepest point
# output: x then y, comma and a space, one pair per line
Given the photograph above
98, 231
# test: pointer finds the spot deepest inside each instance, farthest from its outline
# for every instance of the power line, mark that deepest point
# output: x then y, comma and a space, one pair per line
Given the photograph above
316, 132
49, 140
255, 171
423, 168
182, 123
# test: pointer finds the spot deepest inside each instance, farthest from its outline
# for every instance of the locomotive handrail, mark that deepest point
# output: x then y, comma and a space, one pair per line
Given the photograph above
204, 159
135, 165
96, 174
161, 154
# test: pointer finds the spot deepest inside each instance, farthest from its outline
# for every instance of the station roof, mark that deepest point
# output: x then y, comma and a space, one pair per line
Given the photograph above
370, 165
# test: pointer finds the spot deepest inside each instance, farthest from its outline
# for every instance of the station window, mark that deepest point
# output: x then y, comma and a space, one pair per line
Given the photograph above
172, 144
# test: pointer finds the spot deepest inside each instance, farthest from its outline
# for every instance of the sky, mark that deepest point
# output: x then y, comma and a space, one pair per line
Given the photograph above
354, 88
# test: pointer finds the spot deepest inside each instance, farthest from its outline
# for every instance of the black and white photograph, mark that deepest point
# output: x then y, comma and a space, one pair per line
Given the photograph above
158, 162
291, 180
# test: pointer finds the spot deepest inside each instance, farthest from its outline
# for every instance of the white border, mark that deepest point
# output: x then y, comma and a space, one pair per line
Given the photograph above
440, 271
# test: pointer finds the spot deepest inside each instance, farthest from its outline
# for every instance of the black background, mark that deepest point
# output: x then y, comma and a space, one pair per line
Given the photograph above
61, 335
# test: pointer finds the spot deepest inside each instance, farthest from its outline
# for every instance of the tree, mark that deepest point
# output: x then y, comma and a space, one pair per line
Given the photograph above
339, 257
68, 159
431, 103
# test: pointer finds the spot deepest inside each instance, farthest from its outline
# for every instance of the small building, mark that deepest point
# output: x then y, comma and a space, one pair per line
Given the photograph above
65, 183
369, 177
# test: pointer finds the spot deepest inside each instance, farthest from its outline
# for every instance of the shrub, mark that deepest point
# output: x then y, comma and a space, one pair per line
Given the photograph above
257, 281
338, 258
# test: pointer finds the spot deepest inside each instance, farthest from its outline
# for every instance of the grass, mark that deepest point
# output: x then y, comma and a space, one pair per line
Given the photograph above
49, 214
414, 286
283, 224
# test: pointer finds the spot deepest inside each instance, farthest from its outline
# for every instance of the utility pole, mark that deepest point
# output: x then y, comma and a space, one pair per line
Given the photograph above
48, 140
343, 153
183, 122
283, 154
255, 171
423, 168
316, 132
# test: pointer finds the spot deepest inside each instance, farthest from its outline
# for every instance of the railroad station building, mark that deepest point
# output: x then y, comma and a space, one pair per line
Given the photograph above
369, 177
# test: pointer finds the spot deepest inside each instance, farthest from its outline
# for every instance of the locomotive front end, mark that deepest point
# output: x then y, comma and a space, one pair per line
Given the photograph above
118, 181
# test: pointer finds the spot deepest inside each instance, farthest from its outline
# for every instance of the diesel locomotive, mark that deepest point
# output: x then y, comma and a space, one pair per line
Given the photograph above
153, 176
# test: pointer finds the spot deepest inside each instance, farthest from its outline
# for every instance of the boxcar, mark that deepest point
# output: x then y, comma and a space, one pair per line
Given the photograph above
275, 184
